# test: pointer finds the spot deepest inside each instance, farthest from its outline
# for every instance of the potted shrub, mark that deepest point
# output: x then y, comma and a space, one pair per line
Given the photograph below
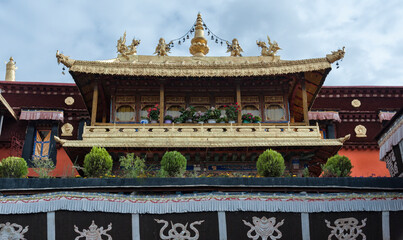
213, 114
247, 118
154, 113
199, 117
337, 166
13, 167
270, 164
187, 114
178, 120
168, 119
256, 119
97, 163
222, 119
144, 120
231, 112
173, 164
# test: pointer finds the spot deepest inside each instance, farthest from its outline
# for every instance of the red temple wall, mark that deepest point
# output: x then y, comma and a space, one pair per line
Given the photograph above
366, 163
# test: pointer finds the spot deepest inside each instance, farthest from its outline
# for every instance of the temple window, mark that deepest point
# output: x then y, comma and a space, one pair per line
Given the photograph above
254, 110
41, 144
275, 112
125, 113
174, 111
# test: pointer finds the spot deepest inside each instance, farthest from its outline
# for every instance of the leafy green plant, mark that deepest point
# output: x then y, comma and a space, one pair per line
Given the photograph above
256, 119
132, 166
247, 117
213, 113
43, 167
173, 164
13, 167
306, 173
97, 163
154, 112
337, 166
232, 111
168, 117
270, 164
187, 113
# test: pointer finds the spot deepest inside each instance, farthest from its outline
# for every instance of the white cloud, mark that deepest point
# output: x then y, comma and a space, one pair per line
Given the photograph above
32, 31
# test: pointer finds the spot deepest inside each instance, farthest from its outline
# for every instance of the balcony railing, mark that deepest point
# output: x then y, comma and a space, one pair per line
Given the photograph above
200, 131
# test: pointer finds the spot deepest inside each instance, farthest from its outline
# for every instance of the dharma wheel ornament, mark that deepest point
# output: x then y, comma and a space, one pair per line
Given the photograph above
199, 47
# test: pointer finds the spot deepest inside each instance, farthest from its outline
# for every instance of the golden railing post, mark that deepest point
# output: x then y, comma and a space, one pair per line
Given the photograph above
94, 105
161, 104
238, 99
304, 102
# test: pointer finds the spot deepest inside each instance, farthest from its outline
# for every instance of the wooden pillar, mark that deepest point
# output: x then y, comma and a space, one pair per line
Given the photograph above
94, 105
162, 103
304, 102
239, 101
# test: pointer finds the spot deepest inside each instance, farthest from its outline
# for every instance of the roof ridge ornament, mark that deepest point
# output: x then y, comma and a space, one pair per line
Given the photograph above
336, 55
234, 48
61, 58
199, 47
162, 48
268, 51
126, 51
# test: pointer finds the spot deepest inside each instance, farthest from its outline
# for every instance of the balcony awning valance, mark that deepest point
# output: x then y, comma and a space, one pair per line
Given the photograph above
324, 115
386, 116
41, 115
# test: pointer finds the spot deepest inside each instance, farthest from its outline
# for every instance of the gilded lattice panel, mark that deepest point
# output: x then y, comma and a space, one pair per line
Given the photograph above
278, 99
224, 100
175, 99
199, 100
250, 99
150, 99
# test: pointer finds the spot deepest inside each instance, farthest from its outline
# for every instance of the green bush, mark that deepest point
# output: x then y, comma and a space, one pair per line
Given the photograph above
173, 164
270, 164
43, 167
132, 166
97, 163
13, 167
337, 166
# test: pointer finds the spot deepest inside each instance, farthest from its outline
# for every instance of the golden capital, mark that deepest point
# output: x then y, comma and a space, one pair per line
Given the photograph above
198, 47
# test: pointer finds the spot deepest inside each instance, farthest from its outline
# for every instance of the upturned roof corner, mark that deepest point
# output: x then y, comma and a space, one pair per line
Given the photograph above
61, 58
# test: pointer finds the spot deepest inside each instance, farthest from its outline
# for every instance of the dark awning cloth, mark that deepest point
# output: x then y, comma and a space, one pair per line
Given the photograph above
41, 115
386, 116
324, 115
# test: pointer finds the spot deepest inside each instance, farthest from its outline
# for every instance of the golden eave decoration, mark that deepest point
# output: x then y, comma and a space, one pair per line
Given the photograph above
199, 47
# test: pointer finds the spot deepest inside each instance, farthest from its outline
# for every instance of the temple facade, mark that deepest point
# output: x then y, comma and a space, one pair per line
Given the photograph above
118, 94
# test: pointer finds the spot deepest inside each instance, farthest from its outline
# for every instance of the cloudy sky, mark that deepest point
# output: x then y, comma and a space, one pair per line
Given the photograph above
32, 31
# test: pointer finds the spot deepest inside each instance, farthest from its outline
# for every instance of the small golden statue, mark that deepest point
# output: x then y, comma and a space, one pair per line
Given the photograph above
162, 48
126, 51
268, 51
234, 48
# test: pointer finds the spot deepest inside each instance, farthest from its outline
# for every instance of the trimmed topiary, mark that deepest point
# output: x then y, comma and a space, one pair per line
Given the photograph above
98, 162
173, 164
337, 166
270, 164
13, 167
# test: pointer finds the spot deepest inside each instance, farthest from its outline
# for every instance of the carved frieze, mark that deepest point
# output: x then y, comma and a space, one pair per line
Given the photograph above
360, 131
67, 130
224, 100
250, 99
277, 99
125, 99
150, 99
175, 99
199, 100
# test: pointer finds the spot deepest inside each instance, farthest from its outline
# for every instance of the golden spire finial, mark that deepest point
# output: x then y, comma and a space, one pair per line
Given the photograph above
199, 47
